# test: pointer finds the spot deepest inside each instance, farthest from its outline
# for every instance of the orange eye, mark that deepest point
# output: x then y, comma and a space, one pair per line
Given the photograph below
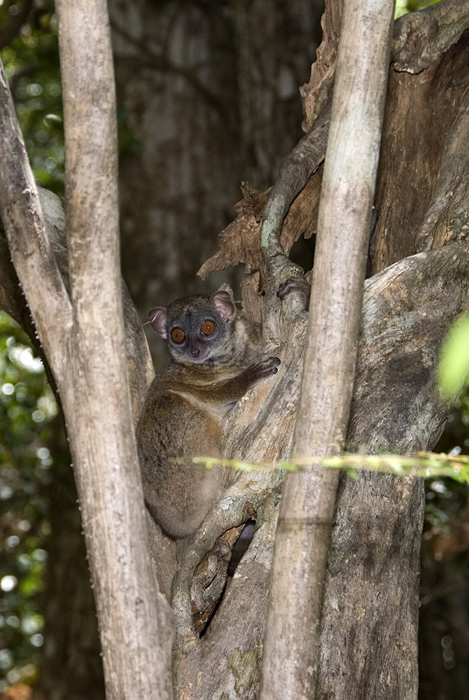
177, 335
208, 327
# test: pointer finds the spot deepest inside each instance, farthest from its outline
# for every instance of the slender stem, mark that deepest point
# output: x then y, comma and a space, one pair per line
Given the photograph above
306, 511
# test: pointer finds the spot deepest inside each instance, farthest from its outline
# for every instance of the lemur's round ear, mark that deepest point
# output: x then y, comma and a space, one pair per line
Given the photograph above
223, 303
158, 319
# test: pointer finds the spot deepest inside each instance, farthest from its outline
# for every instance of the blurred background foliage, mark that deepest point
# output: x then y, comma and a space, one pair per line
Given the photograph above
28, 41
30, 459
444, 578
27, 408
29, 50
403, 6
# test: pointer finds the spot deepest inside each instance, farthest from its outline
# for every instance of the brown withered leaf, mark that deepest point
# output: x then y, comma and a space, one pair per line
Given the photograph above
318, 91
240, 240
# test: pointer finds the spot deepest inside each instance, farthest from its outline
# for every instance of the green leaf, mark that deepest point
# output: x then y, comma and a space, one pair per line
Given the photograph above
454, 360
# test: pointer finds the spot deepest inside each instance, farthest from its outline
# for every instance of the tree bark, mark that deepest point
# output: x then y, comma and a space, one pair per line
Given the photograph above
372, 594
134, 639
134, 642
385, 414
71, 665
308, 499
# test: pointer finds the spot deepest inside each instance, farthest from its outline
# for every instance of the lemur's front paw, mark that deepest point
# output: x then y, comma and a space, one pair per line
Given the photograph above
295, 285
263, 369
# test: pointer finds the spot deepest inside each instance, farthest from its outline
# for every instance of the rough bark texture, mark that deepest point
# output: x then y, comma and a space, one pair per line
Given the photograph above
423, 166
72, 329
396, 407
71, 650
131, 616
372, 586
308, 499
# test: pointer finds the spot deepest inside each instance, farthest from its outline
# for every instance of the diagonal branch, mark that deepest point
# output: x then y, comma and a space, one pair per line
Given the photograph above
30, 247
304, 160
421, 38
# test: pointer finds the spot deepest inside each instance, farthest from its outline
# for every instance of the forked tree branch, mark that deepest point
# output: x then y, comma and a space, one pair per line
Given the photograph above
83, 338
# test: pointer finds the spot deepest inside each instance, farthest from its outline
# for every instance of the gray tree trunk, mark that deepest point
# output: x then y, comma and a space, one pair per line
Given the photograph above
308, 499
81, 329
368, 644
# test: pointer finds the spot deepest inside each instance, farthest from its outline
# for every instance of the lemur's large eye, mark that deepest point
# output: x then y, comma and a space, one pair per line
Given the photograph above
208, 327
177, 335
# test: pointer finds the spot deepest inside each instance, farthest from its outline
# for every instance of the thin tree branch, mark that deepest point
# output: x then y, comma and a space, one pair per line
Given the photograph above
307, 506
97, 406
299, 165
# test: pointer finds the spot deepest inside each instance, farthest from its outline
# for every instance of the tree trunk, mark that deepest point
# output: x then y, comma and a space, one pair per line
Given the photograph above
83, 337
407, 311
308, 500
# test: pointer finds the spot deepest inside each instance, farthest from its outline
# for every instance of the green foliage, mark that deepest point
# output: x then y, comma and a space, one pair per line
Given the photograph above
31, 62
447, 497
454, 361
424, 464
444, 503
26, 409
404, 6
30, 54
